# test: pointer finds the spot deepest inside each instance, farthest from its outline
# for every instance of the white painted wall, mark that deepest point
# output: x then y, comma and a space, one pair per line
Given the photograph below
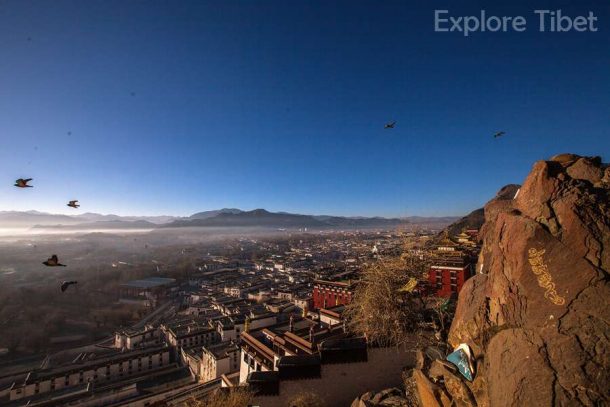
340, 384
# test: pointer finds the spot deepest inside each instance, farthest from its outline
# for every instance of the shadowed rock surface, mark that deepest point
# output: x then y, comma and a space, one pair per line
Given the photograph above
387, 398
536, 313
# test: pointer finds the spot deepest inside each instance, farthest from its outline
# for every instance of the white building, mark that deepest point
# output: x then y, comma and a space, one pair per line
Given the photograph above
216, 360
97, 371
136, 338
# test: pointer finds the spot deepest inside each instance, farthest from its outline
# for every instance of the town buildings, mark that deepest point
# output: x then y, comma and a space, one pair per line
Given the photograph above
452, 263
103, 370
219, 359
147, 292
331, 293
231, 321
303, 355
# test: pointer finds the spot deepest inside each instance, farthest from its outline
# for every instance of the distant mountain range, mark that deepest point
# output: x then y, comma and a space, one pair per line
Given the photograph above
264, 218
226, 217
211, 214
103, 224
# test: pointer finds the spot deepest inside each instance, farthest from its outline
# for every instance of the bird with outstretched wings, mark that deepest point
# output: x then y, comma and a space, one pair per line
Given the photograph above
499, 134
390, 125
53, 261
66, 284
23, 183
73, 204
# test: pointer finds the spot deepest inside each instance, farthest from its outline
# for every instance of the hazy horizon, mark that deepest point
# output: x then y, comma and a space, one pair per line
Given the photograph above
76, 212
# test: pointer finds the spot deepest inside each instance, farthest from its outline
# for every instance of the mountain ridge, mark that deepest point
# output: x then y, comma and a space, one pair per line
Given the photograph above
225, 217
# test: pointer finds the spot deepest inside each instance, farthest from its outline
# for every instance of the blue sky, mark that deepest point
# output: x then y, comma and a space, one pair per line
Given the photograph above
172, 107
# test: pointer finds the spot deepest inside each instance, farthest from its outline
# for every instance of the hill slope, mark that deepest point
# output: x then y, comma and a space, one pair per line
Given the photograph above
476, 218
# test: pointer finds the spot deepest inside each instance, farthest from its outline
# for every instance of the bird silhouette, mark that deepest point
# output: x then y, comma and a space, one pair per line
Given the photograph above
499, 134
390, 125
66, 284
53, 261
73, 204
23, 183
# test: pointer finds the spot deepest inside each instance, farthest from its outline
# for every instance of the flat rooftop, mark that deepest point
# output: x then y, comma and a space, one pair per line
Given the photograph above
150, 282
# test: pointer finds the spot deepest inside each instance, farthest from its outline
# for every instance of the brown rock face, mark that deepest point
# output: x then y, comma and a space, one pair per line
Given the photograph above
429, 393
537, 313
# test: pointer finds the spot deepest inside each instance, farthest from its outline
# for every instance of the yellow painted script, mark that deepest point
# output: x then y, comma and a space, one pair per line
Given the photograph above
544, 277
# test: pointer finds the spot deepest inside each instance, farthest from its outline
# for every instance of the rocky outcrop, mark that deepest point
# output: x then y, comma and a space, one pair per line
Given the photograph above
536, 314
473, 220
387, 398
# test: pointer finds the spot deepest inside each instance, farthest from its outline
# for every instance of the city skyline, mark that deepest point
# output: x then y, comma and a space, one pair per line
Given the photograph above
149, 109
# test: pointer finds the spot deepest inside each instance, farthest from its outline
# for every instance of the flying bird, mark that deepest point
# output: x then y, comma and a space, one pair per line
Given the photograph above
53, 261
66, 284
390, 125
499, 134
73, 204
23, 183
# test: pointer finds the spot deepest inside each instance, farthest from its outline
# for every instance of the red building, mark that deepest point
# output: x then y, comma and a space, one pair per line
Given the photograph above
446, 280
330, 293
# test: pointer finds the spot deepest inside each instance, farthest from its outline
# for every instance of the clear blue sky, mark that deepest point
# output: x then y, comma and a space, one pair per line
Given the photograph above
281, 104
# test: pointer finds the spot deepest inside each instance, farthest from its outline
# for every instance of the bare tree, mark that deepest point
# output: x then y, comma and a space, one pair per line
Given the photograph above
235, 397
307, 399
387, 307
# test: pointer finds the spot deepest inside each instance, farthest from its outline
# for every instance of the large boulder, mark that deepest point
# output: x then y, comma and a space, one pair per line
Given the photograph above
385, 398
536, 313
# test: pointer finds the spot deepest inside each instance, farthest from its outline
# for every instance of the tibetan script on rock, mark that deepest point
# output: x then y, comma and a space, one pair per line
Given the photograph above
545, 279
